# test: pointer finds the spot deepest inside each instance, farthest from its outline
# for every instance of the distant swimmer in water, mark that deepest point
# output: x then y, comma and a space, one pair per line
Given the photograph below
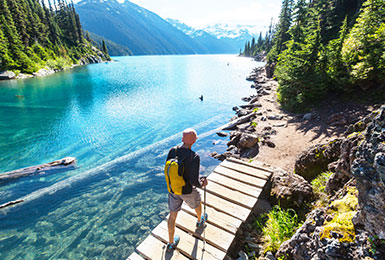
201, 97
19, 96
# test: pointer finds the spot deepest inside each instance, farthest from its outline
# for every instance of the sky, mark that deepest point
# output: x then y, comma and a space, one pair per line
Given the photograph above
200, 13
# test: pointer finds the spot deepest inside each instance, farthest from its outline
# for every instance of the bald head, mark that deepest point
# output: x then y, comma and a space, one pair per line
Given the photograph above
189, 136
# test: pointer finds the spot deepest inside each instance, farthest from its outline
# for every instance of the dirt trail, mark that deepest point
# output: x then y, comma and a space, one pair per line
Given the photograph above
293, 134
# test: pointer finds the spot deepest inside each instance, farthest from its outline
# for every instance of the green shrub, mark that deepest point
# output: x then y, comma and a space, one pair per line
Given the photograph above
277, 226
59, 64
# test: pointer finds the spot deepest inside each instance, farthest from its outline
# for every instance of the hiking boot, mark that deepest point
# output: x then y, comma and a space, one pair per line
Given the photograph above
171, 247
203, 220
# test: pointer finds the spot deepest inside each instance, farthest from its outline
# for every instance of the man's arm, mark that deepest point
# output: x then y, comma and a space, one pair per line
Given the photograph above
194, 171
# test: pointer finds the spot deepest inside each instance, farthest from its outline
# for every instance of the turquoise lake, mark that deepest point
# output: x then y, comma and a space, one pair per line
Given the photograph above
119, 119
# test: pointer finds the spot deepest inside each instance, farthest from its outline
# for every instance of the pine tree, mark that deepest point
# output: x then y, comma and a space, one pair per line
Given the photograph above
18, 11
336, 68
364, 48
260, 42
5, 59
299, 72
282, 33
104, 47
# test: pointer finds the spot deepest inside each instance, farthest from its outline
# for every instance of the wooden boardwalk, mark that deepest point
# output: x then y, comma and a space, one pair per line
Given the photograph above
233, 191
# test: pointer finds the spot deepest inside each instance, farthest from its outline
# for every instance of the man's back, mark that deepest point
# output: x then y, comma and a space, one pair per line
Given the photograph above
191, 162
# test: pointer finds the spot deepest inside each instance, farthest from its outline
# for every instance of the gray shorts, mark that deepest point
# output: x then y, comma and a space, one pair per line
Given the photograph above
192, 200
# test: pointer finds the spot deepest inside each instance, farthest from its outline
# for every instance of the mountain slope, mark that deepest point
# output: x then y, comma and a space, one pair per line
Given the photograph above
114, 49
128, 24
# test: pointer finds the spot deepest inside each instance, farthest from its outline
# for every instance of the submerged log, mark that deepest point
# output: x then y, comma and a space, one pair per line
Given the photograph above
2, 206
65, 164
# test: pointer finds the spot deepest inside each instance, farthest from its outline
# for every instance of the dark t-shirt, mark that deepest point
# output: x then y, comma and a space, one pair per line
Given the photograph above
191, 161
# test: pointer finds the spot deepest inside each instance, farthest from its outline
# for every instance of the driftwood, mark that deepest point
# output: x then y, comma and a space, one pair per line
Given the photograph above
232, 125
67, 163
2, 206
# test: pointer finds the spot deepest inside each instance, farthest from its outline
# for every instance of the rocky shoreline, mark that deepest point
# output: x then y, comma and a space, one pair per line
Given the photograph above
246, 137
88, 59
345, 142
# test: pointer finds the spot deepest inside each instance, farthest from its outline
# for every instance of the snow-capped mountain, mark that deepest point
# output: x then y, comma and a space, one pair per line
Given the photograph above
245, 32
212, 43
233, 37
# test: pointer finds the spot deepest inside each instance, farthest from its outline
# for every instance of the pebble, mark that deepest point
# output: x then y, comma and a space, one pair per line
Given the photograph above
280, 125
269, 255
222, 134
242, 256
307, 116
275, 117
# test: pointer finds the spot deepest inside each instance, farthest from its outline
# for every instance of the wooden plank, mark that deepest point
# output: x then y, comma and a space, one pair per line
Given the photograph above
191, 246
252, 164
227, 207
246, 169
231, 195
152, 248
250, 180
219, 219
215, 236
235, 184
135, 256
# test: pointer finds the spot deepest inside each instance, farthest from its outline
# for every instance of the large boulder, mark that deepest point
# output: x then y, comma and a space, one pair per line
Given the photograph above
315, 160
4, 75
342, 171
303, 245
369, 170
270, 69
289, 190
248, 140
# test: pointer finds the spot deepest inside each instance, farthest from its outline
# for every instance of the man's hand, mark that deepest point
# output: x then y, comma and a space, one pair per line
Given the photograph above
203, 181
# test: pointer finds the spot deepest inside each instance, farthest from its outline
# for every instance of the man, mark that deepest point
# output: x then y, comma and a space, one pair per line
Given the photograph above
190, 194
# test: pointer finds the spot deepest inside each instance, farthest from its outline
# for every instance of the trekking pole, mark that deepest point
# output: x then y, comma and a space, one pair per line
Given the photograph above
204, 214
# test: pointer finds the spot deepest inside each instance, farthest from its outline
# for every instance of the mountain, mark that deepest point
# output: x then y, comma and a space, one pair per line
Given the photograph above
219, 38
137, 28
212, 43
234, 35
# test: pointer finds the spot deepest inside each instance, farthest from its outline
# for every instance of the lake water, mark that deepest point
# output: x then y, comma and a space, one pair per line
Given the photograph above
119, 120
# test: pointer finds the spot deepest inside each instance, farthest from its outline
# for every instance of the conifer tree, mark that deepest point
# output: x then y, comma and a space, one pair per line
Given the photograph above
18, 10
104, 47
364, 48
282, 33
5, 59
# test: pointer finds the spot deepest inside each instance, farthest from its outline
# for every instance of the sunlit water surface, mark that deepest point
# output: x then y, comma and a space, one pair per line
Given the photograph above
119, 120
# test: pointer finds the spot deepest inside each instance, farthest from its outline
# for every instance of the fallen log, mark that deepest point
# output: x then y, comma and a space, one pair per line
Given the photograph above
2, 206
232, 125
65, 164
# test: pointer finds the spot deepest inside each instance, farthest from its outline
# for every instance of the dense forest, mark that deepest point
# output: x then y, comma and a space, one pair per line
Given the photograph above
35, 34
325, 46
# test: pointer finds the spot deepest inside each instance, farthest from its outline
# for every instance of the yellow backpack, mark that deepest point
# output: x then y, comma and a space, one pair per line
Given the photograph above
173, 171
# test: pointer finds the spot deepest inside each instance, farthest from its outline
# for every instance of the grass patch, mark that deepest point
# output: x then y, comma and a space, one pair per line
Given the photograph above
319, 183
276, 227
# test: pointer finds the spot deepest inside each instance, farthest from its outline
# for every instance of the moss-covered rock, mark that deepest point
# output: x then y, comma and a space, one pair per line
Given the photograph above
315, 160
342, 211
